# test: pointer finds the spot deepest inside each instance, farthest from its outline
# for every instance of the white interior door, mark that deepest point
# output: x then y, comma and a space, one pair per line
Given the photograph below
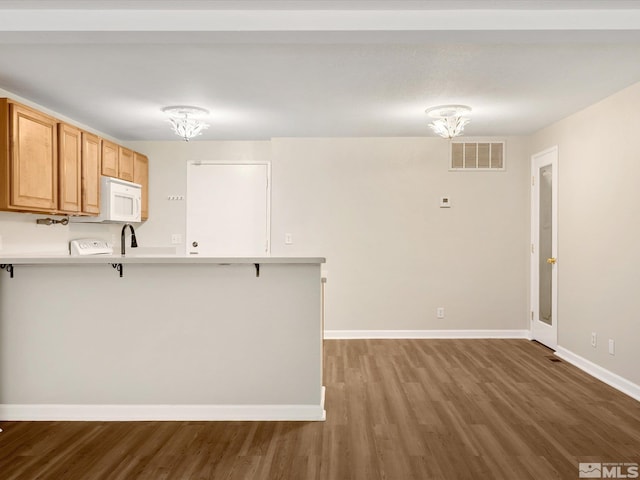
227, 209
544, 247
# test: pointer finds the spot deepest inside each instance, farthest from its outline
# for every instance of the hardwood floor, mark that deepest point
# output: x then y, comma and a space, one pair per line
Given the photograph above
396, 409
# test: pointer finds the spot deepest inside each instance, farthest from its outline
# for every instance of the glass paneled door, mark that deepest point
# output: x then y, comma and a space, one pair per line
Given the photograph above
544, 247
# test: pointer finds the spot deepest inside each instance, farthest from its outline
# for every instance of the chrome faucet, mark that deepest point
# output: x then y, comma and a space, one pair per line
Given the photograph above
134, 243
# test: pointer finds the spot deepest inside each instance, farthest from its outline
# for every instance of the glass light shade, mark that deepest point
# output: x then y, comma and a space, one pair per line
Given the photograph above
186, 121
449, 127
448, 120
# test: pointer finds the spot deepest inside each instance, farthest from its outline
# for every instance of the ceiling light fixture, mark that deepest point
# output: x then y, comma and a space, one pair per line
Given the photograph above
449, 120
186, 121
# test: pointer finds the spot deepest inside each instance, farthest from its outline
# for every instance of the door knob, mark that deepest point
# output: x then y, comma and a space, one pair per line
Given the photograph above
551, 261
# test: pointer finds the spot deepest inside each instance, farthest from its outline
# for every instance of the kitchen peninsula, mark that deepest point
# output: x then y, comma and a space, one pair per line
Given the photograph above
173, 338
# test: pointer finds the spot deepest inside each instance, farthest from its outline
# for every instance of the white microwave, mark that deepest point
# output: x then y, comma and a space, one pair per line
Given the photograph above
120, 202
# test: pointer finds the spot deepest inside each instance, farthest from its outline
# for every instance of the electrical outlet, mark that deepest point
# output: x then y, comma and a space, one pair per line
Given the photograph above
594, 339
612, 347
176, 239
440, 312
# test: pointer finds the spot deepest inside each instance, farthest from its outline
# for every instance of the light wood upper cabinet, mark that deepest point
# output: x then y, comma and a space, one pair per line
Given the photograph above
91, 168
69, 168
141, 176
48, 166
28, 159
109, 158
125, 164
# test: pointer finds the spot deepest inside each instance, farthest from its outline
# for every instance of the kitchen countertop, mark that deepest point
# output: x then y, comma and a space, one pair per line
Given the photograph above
39, 259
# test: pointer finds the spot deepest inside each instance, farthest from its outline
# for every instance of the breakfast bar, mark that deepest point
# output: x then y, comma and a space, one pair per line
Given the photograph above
155, 337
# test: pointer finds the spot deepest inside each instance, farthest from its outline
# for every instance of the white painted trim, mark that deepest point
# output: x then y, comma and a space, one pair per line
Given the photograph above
390, 334
602, 374
42, 412
323, 395
547, 335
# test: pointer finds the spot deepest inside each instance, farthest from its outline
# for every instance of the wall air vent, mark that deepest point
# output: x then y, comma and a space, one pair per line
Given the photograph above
477, 155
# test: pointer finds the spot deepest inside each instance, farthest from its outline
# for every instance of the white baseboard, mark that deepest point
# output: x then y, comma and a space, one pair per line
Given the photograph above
390, 334
602, 374
162, 412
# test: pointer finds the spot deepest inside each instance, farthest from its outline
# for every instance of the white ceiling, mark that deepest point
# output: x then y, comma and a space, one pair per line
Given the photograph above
317, 68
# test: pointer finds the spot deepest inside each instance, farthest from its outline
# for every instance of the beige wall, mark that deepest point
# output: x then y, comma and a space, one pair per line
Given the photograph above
599, 230
371, 207
164, 334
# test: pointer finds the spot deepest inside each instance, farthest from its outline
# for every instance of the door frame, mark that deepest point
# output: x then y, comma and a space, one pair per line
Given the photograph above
540, 332
267, 163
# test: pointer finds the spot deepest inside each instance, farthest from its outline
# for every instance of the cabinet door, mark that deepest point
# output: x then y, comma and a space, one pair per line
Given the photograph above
69, 168
141, 176
90, 173
34, 160
125, 164
109, 159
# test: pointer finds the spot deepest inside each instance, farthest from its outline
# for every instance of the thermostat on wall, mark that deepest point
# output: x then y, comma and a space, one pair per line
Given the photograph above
445, 202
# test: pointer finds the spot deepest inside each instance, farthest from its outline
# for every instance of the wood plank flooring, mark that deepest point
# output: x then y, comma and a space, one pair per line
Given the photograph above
396, 409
